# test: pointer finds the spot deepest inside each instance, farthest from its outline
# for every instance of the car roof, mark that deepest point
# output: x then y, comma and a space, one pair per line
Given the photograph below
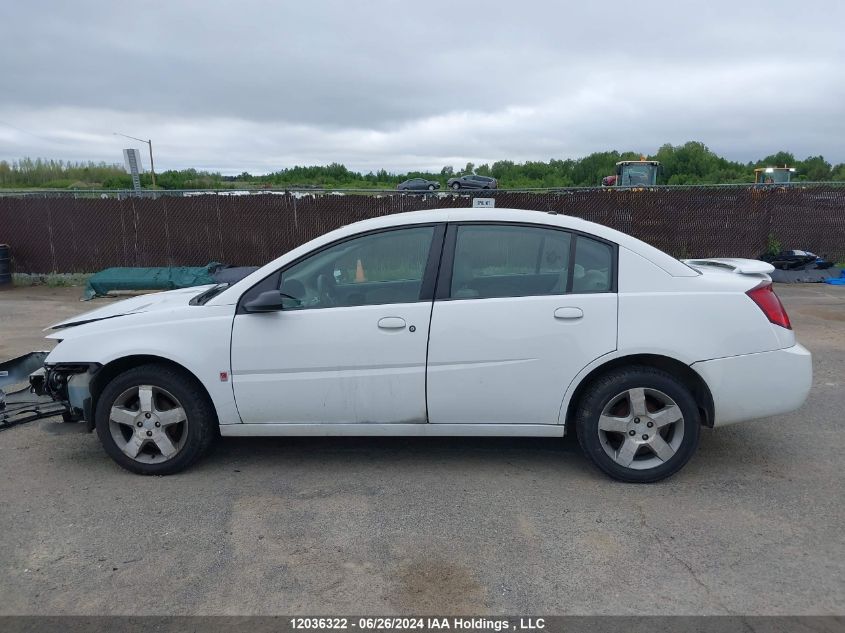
436, 216
500, 214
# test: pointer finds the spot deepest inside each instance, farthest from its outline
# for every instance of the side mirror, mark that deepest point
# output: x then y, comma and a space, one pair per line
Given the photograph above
267, 301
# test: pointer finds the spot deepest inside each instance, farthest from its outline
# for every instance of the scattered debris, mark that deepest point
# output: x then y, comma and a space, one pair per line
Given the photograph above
800, 267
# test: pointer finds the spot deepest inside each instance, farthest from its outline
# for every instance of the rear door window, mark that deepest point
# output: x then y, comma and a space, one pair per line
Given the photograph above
509, 261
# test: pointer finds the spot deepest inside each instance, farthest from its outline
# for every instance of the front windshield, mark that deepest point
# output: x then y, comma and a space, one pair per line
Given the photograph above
776, 176
637, 175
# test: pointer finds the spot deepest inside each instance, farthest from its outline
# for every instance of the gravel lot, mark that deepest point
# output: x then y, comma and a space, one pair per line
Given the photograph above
752, 525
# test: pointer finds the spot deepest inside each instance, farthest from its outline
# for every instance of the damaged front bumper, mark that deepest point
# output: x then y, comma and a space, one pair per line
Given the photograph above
53, 389
70, 384
19, 402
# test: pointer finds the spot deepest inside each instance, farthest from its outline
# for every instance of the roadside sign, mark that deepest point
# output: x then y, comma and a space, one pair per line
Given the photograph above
483, 203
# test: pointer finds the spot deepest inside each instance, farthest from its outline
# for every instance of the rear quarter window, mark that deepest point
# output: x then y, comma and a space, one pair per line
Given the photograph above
593, 266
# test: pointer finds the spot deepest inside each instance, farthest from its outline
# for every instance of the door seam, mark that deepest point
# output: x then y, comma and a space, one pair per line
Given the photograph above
431, 317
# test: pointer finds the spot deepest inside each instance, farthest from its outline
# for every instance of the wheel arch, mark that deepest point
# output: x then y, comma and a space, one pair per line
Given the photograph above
691, 379
113, 368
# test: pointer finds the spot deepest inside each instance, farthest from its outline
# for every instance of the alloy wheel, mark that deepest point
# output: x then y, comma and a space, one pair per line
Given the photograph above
641, 428
148, 424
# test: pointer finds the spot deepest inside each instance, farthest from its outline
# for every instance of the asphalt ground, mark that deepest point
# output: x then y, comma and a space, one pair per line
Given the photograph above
752, 525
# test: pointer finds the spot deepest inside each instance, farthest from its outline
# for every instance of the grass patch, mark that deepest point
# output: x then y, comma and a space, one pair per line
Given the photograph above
51, 280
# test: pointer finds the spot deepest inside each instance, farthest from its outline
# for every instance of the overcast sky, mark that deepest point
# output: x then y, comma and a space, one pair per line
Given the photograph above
259, 86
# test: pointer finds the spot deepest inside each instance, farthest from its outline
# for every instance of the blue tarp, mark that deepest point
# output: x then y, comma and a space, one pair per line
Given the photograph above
837, 281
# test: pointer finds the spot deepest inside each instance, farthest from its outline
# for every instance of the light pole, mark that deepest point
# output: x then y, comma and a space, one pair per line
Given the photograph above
150, 144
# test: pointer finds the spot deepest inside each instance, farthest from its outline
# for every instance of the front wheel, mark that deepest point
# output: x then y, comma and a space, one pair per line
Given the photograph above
456, 186
431, 187
638, 424
155, 420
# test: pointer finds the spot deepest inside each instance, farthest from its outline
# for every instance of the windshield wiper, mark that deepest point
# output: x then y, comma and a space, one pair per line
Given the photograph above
204, 297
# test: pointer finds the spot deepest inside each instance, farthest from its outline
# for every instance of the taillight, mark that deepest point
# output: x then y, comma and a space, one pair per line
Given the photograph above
764, 296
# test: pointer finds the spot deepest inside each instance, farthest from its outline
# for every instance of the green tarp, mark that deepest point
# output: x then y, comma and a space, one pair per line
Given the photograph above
162, 278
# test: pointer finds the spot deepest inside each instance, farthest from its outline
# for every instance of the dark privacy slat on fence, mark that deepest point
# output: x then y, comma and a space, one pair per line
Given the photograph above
78, 234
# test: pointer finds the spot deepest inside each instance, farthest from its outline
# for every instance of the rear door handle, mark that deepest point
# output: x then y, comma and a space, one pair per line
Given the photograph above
569, 313
391, 323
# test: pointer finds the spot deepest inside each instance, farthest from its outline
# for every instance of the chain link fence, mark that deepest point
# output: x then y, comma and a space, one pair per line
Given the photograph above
86, 232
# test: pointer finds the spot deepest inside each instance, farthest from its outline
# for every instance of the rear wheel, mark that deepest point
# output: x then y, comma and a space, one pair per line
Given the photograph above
431, 187
638, 424
155, 420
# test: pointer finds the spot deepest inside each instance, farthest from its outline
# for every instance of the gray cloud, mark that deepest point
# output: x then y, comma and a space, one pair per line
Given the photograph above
265, 85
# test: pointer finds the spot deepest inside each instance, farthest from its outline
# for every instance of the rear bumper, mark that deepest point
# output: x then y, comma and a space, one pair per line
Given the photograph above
757, 385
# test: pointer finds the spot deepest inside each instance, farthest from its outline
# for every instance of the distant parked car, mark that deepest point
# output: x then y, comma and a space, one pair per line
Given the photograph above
472, 181
418, 184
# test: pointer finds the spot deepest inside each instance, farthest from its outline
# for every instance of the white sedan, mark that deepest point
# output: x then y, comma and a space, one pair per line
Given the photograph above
487, 322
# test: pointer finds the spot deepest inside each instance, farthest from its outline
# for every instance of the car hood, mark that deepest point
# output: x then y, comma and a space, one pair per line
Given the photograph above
143, 303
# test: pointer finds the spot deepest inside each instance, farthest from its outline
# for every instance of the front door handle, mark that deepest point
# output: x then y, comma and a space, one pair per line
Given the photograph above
391, 323
569, 313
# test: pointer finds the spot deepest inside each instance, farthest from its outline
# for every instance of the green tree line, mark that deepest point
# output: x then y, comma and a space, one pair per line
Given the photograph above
690, 163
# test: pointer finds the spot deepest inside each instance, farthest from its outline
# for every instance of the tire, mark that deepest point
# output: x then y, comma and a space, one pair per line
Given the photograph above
456, 186
178, 421
612, 421
431, 187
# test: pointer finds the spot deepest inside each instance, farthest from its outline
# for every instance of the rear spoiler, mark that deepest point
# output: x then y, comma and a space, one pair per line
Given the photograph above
734, 264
